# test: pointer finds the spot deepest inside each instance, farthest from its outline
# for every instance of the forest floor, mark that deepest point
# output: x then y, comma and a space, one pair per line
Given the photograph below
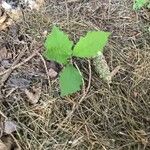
110, 117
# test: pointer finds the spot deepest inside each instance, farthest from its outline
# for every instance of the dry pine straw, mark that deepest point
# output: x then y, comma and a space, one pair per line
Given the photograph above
114, 117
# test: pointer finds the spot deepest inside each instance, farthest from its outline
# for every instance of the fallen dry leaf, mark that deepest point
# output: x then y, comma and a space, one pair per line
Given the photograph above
53, 68
33, 97
7, 141
6, 63
10, 143
5, 20
52, 73
35, 4
9, 15
9, 127
2, 146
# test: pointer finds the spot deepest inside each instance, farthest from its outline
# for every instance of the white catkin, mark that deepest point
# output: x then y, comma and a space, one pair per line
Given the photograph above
102, 68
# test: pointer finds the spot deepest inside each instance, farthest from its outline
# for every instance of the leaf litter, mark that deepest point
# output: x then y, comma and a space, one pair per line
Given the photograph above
109, 111
7, 127
33, 97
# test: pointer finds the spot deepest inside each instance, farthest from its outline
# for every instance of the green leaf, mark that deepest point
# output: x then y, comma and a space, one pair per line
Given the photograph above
138, 4
58, 46
148, 5
89, 45
70, 80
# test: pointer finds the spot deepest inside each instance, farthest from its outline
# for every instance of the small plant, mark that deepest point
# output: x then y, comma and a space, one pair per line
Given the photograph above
60, 49
138, 4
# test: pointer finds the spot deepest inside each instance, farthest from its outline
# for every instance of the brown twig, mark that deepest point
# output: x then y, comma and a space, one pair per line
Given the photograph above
46, 70
5, 77
20, 64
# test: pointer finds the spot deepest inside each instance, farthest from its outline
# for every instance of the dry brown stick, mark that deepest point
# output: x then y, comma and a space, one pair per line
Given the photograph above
5, 77
21, 63
16, 142
8, 71
46, 70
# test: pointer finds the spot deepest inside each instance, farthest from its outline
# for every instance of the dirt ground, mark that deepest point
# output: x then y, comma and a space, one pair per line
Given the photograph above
109, 117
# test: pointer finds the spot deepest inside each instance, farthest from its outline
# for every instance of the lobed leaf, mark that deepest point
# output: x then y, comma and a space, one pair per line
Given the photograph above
91, 44
70, 80
58, 46
138, 4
